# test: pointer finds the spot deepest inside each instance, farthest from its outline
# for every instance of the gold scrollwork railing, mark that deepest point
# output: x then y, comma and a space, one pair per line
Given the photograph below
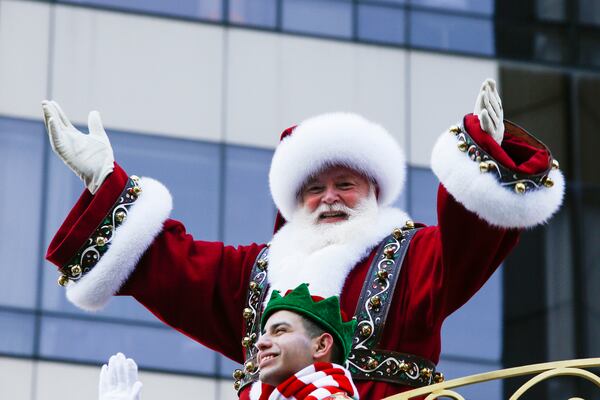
544, 371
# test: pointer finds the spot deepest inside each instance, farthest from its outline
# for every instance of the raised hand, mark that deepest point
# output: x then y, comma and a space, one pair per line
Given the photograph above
89, 156
119, 379
488, 107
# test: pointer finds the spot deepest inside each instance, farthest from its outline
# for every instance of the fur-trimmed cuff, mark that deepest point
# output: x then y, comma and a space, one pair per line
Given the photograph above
130, 240
480, 191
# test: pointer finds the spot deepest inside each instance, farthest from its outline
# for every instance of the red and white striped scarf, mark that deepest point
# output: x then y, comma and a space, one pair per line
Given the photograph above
315, 382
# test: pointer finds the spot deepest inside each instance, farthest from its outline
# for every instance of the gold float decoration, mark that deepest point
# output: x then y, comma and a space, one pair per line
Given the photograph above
543, 372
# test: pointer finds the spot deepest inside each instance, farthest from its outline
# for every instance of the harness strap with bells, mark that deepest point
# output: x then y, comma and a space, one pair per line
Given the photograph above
366, 361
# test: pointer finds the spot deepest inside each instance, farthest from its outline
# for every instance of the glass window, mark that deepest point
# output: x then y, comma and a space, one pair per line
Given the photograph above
189, 169
16, 333
452, 33
320, 17
381, 24
226, 366
589, 12
547, 44
589, 116
589, 48
151, 347
203, 9
253, 12
249, 209
453, 368
478, 6
21, 167
423, 195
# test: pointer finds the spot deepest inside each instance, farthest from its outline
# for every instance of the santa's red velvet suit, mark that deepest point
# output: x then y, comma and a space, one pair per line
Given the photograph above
200, 288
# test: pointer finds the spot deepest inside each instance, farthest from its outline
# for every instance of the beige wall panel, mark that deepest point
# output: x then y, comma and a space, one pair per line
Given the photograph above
83, 384
226, 391
275, 81
442, 90
142, 73
24, 29
15, 379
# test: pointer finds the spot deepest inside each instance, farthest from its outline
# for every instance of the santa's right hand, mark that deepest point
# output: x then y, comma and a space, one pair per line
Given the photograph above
89, 156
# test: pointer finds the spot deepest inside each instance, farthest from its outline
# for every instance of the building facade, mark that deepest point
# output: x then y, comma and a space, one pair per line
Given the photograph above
195, 93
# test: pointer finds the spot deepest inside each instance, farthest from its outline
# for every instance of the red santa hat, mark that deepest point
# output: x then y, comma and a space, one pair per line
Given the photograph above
335, 139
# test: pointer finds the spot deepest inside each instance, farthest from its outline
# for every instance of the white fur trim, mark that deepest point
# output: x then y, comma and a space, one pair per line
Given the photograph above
326, 269
336, 138
482, 193
144, 222
255, 391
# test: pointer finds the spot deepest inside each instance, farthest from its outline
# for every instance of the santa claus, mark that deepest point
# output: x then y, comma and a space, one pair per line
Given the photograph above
333, 179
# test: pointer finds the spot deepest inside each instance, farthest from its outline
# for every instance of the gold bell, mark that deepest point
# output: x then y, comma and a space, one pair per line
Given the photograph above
237, 385
389, 252
375, 301
426, 373
454, 130
462, 146
438, 377
238, 374
254, 286
63, 280
366, 330
372, 363
100, 241
555, 164
75, 270
484, 166
409, 224
121, 216
247, 341
548, 182
247, 313
262, 264
520, 187
397, 233
382, 274
250, 367
404, 367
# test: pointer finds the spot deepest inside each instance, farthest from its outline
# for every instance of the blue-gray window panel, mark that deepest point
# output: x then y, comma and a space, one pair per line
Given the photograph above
202, 9
261, 13
475, 330
381, 24
16, 333
491, 390
249, 209
484, 7
227, 366
21, 168
423, 195
151, 347
320, 17
452, 32
189, 169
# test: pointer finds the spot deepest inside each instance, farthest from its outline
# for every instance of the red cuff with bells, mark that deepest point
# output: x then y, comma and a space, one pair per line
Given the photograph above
85, 217
515, 153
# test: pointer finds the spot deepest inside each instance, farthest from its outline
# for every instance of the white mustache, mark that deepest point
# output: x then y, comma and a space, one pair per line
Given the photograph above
335, 207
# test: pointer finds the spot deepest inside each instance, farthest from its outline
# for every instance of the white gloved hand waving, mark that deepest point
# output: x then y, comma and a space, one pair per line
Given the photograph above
89, 156
488, 107
119, 379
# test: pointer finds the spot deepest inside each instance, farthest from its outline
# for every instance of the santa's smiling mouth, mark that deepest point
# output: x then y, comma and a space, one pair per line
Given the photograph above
331, 216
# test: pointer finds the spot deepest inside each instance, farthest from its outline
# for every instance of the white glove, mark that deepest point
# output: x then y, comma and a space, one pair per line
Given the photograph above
89, 156
119, 380
488, 107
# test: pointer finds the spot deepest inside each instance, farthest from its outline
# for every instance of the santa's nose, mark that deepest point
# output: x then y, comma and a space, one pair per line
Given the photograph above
330, 195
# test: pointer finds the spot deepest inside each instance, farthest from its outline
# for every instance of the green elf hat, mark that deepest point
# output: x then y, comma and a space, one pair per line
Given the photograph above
324, 312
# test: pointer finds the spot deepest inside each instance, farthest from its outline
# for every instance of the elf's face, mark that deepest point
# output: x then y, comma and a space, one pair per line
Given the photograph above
284, 348
334, 193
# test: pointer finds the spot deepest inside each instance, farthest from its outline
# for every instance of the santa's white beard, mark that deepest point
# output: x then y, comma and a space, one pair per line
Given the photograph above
322, 254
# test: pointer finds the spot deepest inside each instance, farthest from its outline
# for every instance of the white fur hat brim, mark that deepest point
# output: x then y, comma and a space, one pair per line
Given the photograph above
336, 139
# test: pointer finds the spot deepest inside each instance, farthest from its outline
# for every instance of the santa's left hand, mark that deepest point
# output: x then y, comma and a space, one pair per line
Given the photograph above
488, 107
119, 379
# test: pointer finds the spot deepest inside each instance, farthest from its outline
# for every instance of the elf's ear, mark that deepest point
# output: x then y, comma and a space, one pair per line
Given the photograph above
323, 347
